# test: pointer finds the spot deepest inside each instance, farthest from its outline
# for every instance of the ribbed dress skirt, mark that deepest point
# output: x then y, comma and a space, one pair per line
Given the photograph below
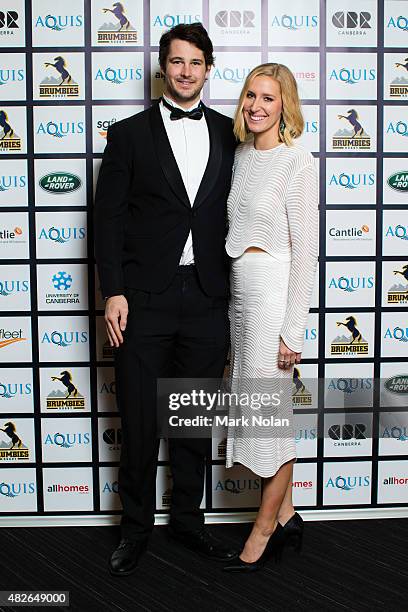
256, 439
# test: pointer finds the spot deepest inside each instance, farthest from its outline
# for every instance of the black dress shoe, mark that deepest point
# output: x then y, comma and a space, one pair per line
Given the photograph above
273, 550
203, 543
293, 530
125, 557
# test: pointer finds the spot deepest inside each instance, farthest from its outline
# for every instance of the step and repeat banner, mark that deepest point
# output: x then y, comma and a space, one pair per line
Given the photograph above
68, 70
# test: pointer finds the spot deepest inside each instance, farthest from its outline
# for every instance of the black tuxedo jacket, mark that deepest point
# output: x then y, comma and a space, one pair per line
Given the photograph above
142, 212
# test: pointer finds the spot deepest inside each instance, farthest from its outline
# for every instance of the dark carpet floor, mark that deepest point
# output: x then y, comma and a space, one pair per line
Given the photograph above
345, 565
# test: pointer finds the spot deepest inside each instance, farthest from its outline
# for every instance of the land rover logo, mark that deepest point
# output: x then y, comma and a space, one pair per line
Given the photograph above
60, 182
399, 181
397, 384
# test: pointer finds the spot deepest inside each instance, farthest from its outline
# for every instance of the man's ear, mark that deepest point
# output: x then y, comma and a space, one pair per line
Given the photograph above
207, 72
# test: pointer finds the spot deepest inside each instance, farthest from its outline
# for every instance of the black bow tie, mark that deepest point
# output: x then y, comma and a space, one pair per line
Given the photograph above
178, 113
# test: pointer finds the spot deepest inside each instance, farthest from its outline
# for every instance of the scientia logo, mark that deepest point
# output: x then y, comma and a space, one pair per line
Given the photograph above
353, 138
10, 141
13, 287
348, 483
398, 293
398, 88
301, 396
397, 384
67, 399
353, 180
238, 485
60, 83
352, 344
13, 448
350, 284
118, 28
347, 434
60, 129
8, 337
60, 183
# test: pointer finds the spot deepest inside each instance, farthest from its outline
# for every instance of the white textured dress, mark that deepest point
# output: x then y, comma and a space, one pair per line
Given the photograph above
273, 205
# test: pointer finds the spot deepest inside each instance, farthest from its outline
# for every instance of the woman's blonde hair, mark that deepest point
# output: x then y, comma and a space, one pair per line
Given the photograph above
293, 123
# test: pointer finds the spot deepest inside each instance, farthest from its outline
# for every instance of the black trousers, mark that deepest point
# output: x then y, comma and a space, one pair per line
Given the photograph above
179, 333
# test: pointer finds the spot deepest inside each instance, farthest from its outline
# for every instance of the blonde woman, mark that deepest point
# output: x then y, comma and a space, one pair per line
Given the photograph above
273, 244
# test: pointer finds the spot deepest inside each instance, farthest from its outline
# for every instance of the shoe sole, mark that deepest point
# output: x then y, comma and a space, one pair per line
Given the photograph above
198, 552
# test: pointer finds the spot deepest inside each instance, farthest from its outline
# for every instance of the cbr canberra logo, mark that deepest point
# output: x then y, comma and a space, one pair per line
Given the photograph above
351, 23
62, 234
60, 182
60, 129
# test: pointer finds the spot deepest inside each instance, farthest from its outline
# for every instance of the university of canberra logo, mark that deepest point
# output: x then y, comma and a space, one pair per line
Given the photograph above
58, 82
351, 344
354, 136
118, 28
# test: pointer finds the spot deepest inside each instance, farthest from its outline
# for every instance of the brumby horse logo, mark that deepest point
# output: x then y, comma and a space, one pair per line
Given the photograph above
14, 447
122, 31
354, 344
398, 293
399, 85
69, 398
300, 395
9, 140
61, 85
354, 138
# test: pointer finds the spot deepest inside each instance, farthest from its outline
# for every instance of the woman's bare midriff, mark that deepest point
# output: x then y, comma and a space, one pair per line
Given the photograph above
254, 250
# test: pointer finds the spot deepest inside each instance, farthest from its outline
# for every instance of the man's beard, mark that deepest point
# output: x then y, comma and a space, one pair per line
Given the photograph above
178, 96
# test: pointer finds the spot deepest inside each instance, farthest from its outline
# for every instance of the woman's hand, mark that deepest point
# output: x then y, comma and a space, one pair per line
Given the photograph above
287, 357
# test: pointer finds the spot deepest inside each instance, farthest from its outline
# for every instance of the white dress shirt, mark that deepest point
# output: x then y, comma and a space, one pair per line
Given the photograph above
190, 144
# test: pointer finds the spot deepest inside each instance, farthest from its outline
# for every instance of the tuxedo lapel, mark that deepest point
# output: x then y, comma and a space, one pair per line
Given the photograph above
166, 157
214, 162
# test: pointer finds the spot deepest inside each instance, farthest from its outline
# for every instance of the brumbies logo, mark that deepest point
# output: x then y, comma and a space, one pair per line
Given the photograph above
9, 140
222, 448
60, 83
353, 138
67, 399
166, 497
14, 447
121, 31
398, 293
398, 87
300, 395
349, 345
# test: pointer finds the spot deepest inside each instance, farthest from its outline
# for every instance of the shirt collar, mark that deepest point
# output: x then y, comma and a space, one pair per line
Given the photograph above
172, 103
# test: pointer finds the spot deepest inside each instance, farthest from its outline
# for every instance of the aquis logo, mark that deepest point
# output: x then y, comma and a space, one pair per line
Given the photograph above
65, 395
13, 287
64, 339
60, 129
348, 483
353, 180
352, 76
59, 23
351, 342
58, 81
350, 284
11, 445
10, 141
62, 234
398, 292
352, 137
117, 28
301, 396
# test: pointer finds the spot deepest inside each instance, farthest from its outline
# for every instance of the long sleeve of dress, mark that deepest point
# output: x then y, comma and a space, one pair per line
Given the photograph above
302, 212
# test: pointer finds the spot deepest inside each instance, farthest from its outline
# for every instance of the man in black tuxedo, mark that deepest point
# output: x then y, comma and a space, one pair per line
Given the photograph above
160, 225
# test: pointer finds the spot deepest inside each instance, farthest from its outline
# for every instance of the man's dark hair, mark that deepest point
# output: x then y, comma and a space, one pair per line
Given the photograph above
194, 33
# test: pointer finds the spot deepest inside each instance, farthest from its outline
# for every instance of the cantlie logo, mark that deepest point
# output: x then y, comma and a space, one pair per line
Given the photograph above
67, 399
8, 23
399, 85
10, 337
121, 31
398, 293
61, 129
102, 127
11, 236
58, 23
62, 234
359, 233
352, 345
117, 76
397, 384
235, 22
351, 23
352, 283
300, 395
294, 22
60, 182
61, 85
348, 483
64, 338
14, 447
355, 138
352, 181
13, 287
9, 140
351, 76
62, 281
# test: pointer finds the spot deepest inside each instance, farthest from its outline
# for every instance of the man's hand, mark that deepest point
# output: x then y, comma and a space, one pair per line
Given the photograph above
116, 312
287, 357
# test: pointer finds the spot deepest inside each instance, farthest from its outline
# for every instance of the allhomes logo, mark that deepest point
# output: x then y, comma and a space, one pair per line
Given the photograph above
397, 384
60, 182
399, 181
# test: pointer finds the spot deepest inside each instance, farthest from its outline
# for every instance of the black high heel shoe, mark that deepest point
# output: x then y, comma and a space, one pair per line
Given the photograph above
293, 532
273, 550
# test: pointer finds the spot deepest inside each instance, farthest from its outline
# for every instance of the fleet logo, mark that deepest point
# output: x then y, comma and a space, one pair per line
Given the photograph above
347, 434
398, 293
118, 76
59, 23
350, 284
60, 129
118, 29
9, 140
64, 339
66, 488
15, 489
62, 234
8, 23
351, 23
13, 181
235, 22
8, 337
398, 88
399, 181
60, 182
397, 384
13, 449
13, 287
355, 138
294, 22
348, 483
68, 399
352, 344
67, 440
301, 396
238, 485
352, 181
352, 76
113, 438
60, 84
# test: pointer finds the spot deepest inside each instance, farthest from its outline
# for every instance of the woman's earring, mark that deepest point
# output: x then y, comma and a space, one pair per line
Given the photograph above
282, 126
